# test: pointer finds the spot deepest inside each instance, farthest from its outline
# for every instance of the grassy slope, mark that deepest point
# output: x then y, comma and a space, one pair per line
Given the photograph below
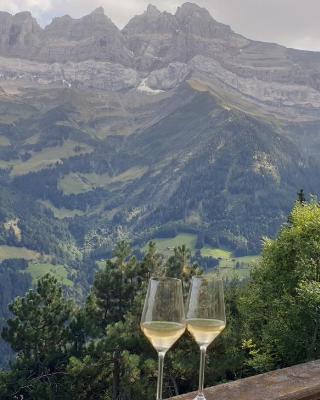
38, 270
4, 141
48, 157
166, 246
208, 251
227, 264
76, 183
62, 213
227, 267
9, 252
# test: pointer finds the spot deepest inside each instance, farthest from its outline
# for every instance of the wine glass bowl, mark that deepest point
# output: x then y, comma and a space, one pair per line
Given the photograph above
163, 318
162, 335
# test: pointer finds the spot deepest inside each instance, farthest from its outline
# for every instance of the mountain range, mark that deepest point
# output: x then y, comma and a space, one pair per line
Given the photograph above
173, 124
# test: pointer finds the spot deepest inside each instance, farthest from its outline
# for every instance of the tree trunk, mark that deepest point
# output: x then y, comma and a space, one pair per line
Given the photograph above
175, 386
116, 375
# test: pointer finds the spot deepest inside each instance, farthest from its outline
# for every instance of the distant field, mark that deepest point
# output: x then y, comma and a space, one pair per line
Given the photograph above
6, 164
38, 270
231, 262
49, 156
80, 183
208, 251
166, 246
8, 252
74, 184
227, 267
4, 141
227, 262
62, 213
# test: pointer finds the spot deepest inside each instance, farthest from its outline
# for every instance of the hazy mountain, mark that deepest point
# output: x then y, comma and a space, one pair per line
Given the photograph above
174, 123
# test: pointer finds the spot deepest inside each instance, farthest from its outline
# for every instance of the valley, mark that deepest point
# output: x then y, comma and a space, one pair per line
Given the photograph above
173, 130
173, 124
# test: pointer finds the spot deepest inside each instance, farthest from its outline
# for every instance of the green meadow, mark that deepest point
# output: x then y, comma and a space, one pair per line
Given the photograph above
77, 183
10, 252
166, 246
49, 156
62, 213
229, 265
38, 270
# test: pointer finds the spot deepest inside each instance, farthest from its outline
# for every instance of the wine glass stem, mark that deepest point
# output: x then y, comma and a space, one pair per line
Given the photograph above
160, 375
201, 370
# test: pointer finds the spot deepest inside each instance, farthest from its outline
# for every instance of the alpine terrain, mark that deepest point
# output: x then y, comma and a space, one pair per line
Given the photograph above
174, 124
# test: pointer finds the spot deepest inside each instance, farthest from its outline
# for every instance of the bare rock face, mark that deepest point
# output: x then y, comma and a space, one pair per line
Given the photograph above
85, 74
194, 20
158, 39
91, 37
151, 37
169, 77
20, 35
150, 22
158, 51
65, 39
89, 26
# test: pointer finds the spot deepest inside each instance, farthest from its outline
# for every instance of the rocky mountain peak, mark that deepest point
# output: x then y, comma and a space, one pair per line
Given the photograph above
152, 11
26, 21
98, 11
151, 21
23, 15
4, 14
18, 32
96, 23
192, 9
197, 21
59, 25
98, 17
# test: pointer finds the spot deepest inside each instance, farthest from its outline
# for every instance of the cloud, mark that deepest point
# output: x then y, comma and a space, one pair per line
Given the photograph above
293, 23
36, 6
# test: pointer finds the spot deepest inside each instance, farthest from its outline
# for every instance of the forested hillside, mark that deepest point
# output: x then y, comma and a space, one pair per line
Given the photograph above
13, 283
97, 351
206, 132
174, 129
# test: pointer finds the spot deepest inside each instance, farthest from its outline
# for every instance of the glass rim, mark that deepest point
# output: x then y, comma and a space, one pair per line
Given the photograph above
164, 278
208, 278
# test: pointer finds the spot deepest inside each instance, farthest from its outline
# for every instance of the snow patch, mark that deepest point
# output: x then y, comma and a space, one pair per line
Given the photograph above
66, 83
143, 87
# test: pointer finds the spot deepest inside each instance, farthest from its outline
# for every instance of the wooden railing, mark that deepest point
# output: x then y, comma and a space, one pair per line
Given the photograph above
301, 382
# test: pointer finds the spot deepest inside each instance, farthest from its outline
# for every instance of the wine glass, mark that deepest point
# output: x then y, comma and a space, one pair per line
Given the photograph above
163, 318
205, 317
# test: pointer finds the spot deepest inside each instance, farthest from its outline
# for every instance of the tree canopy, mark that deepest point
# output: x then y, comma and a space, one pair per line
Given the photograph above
97, 351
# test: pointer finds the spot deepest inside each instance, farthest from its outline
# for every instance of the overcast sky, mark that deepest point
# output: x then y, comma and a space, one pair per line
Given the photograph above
294, 23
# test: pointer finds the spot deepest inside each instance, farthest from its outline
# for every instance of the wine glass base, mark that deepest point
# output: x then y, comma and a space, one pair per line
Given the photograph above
200, 397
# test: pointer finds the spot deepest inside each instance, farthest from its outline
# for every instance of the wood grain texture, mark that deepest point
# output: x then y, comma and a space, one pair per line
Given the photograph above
301, 382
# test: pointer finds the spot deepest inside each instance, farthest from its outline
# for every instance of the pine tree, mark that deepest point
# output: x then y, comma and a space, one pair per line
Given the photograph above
40, 334
301, 196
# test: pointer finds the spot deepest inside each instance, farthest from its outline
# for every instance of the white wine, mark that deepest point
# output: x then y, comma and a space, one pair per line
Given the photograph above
162, 334
204, 331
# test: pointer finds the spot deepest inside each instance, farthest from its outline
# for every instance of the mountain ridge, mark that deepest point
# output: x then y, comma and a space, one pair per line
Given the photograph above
156, 51
175, 123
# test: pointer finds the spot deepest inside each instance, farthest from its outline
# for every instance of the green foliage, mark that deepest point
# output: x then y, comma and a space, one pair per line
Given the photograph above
38, 270
98, 351
40, 231
281, 307
235, 185
40, 333
13, 283
12, 252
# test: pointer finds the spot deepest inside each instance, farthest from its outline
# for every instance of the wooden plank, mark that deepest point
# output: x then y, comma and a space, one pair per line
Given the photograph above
300, 382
